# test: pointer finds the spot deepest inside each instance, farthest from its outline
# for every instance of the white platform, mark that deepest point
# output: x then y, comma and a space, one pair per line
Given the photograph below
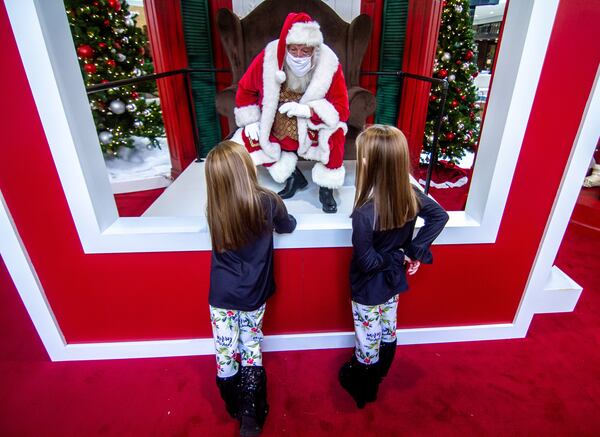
186, 196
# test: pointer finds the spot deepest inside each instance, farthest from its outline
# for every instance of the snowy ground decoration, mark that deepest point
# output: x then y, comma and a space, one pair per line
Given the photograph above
139, 168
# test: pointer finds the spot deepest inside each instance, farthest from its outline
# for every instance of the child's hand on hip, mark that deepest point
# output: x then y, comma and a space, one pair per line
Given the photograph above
411, 265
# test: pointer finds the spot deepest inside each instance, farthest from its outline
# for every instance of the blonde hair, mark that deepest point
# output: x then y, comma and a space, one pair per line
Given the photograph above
234, 212
383, 176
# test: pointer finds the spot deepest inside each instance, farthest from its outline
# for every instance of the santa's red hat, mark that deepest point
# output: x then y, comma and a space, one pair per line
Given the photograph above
298, 28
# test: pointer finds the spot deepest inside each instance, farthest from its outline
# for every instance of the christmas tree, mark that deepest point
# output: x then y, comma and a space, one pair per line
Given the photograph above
455, 62
111, 47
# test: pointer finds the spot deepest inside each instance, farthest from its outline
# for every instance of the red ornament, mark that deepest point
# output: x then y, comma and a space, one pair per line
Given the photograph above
459, 62
469, 55
450, 136
471, 115
142, 51
142, 61
443, 73
472, 105
111, 63
106, 23
89, 68
476, 74
134, 95
432, 98
115, 4
104, 81
454, 103
102, 45
463, 97
95, 3
117, 45
85, 51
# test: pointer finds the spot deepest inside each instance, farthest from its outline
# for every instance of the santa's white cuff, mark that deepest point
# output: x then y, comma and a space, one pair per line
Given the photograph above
284, 167
328, 177
259, 158
326, 112
246, 115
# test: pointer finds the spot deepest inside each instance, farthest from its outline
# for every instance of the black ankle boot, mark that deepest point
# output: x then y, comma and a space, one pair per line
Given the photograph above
230, 393
360, 380
295, 182
386, 356
254, 407
326, 198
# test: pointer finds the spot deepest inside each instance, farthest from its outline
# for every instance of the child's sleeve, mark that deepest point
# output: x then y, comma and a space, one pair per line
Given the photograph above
367, 258
283, 222
435, 219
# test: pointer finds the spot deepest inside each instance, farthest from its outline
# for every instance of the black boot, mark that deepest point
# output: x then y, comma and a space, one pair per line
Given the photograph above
230, 392
360, 380
326, 198
254, 407
386, 356
295, 182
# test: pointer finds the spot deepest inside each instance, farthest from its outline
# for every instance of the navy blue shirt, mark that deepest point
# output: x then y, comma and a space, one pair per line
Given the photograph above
377, 268
243, 279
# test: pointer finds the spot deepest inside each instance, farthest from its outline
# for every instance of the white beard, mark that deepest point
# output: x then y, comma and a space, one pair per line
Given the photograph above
295, 83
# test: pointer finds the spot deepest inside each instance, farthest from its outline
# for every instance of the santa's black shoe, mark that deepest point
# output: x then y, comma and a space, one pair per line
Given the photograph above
295, 182
327, 200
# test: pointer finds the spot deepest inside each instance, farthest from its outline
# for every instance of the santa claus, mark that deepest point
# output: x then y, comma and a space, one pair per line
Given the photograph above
293, 101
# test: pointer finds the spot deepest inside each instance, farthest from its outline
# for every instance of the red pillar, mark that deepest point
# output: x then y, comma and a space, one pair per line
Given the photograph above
424, 17
165, 30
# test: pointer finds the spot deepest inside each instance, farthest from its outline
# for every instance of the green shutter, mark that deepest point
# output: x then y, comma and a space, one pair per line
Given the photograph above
395, 14
196, 28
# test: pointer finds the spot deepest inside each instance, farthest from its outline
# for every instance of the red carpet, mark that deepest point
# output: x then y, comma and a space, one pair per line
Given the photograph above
546, 384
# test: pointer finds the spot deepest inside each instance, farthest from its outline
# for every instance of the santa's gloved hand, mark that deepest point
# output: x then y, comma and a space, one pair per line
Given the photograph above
293, 109
251, 130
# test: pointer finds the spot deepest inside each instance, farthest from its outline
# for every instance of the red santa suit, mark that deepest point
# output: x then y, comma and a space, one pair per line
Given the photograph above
321, 137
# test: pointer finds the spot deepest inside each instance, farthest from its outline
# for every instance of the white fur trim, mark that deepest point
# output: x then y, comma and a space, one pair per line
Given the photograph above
283, 169
327, 65
280, 76
326, 111
328, 177
246, 115
321, 152
314, 153
259, 157
237, 136
270, 100
305, 33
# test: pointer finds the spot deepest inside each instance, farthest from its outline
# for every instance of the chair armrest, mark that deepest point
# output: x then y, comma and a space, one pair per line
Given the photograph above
362, 104
225, 103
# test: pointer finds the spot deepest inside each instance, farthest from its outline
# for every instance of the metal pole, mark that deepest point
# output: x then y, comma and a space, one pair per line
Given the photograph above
436, 134
192, 112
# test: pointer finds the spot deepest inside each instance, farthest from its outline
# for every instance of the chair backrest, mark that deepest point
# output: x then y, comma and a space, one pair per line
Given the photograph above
244, 39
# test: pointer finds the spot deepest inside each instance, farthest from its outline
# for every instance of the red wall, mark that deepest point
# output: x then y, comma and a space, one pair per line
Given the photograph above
164, 295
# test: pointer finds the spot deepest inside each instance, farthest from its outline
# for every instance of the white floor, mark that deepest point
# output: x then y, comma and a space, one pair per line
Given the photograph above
186, 196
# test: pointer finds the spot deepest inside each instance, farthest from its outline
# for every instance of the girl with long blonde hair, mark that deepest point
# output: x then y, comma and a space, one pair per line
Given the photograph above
386, 207
241, 217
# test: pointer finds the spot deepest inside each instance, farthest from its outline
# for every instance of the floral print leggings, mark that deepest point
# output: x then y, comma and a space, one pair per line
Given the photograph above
236, 332
372, 325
